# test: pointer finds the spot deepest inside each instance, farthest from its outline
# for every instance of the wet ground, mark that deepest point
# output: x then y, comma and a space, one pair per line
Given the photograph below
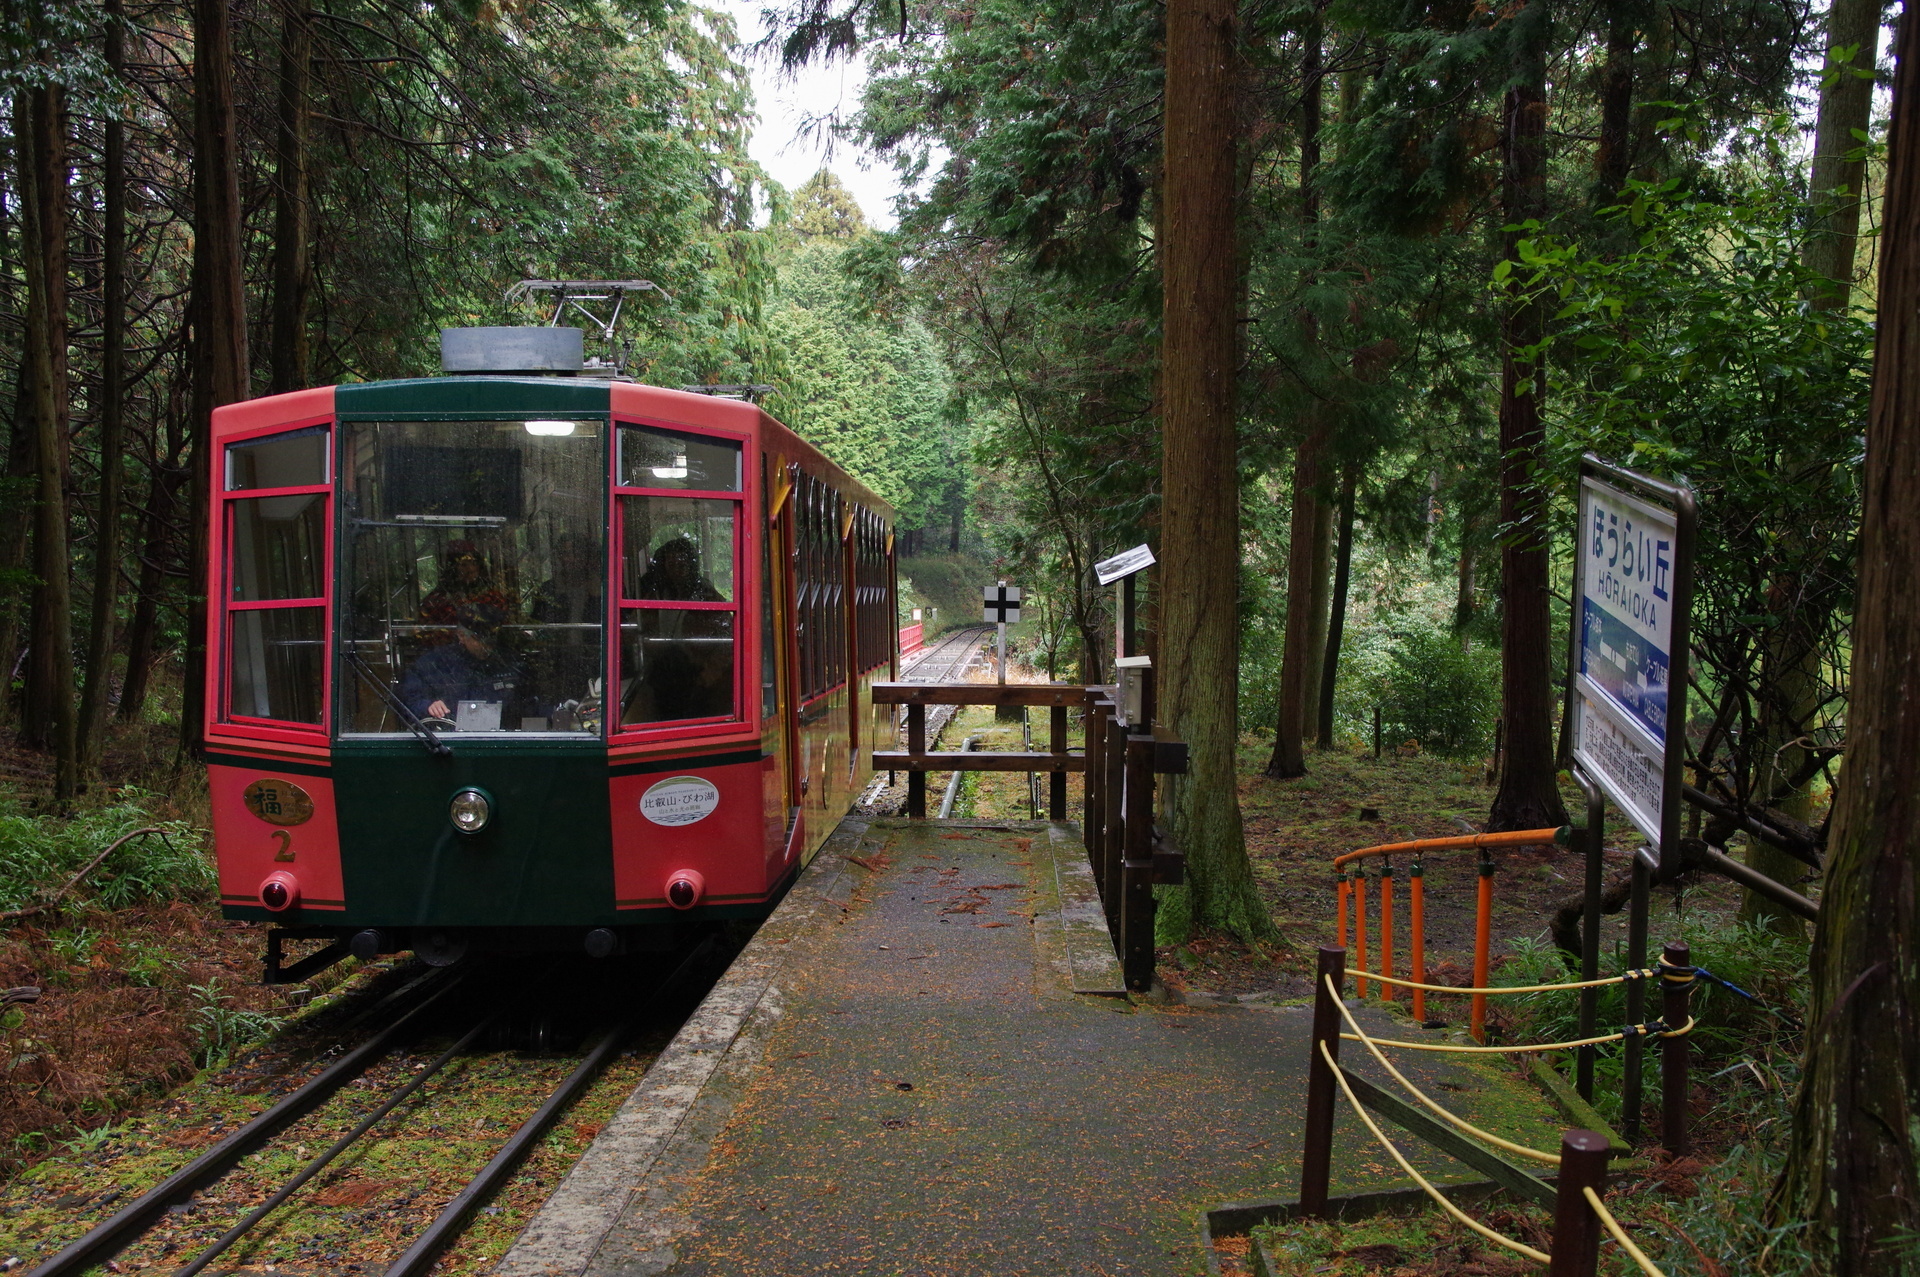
931, 1096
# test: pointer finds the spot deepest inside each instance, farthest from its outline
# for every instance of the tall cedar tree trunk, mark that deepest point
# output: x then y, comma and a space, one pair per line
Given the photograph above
1337, 611
219, 319
1319, 582
1613, 158
163, 496
1529, 795
1199, 637
1289, 758
113, 360
1793, 653
1839, 160
1851, 1166
49, 718
1352, 87
292, 234
1306, 555
17, 518
1464, 603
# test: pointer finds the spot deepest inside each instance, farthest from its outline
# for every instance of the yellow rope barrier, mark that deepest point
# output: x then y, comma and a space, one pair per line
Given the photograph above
1645, 973
1612, 1225
1537, 1257
1551, 1159
1515, 1050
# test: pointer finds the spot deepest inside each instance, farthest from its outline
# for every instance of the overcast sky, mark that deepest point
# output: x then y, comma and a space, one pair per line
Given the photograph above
784, 102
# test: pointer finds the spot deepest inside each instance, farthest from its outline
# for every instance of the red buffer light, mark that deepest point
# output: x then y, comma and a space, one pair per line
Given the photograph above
280, 891
685, 888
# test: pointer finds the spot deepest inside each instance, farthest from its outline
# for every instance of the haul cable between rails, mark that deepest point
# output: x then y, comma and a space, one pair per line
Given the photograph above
110, 1237
115, 1234
338, 1147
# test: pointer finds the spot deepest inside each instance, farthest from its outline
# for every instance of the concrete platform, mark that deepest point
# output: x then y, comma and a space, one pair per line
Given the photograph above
922, 1065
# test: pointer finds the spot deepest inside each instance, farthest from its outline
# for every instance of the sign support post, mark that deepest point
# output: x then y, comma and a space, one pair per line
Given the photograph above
1002, 610
1123, 568
1627, 690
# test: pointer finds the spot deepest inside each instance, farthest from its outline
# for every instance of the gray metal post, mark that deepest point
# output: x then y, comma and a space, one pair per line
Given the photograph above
1631, 1086
1593, 844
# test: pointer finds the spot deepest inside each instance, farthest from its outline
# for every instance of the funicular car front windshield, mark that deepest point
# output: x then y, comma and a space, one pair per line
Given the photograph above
473, 576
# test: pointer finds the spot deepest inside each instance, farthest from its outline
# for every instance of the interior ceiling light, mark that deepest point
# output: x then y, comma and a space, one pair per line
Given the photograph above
678, 470
554, 428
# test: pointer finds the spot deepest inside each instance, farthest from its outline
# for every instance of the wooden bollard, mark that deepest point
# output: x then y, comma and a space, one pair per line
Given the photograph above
1316, 1157
1676, 995
1576, 1229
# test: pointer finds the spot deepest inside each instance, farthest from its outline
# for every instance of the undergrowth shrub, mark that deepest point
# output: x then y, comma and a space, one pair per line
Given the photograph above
1745, 1060
1756, 1042
39, 853
224, 1027
1441, 694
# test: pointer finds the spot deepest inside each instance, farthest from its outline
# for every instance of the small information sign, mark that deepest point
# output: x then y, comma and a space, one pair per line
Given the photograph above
1125, 563
1633, 581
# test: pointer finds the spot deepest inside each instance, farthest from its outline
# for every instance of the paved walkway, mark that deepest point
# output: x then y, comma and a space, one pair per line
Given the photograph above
898, 1076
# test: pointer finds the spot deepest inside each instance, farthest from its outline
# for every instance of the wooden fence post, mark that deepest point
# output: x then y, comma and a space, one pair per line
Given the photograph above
1057, 779
1316, 1156
1576, 1229
1136, 920
916, 773
1674, 1082
1113, 828
1092, 778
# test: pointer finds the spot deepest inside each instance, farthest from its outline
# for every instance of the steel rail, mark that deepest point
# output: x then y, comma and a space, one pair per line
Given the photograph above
109, 1238
420, 1257
966, 640
334, 1150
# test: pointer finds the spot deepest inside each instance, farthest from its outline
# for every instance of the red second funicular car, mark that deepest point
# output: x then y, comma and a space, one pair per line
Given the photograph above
517, 662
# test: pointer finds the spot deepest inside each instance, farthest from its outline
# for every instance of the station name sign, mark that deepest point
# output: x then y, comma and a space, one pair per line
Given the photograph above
1633, 575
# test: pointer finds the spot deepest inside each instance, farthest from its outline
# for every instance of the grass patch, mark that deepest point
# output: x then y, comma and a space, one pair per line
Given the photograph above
141, 984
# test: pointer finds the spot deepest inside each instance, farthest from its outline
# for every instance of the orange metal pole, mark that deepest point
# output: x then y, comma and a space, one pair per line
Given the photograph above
1360, 930
1387, 991
1457, 842
1417, 940
1482, 943
1340, 908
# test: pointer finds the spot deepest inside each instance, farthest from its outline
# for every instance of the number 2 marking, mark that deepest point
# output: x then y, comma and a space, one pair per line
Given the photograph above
285, 851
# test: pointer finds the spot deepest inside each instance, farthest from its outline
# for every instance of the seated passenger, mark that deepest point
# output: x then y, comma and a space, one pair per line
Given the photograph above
572, 594
674, 573
687, 668
465, 581
470, 668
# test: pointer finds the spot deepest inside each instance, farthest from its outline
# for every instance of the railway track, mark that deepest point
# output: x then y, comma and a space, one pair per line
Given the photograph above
443, 1003
947, 661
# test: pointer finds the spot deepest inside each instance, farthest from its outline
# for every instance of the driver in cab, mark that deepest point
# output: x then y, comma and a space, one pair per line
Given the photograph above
471, 668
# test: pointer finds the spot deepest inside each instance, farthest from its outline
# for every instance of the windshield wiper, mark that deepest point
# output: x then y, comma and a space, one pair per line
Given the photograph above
435, 746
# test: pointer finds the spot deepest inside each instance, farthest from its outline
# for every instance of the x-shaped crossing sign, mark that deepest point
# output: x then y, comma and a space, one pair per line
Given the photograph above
1003, 604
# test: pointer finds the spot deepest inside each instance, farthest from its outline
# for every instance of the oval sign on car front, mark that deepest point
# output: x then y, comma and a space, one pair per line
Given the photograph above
679, 800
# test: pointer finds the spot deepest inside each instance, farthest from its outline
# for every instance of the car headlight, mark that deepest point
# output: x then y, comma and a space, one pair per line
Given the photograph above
470, 810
